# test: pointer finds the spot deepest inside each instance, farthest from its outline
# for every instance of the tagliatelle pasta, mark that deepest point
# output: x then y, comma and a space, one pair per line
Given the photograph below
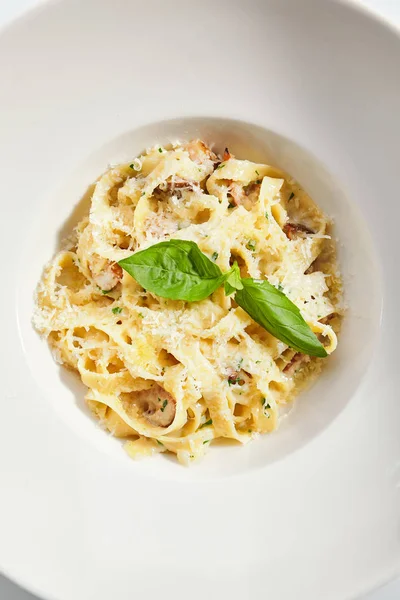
174, 376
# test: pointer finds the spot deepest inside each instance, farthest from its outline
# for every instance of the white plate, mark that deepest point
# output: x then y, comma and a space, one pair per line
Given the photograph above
310, 512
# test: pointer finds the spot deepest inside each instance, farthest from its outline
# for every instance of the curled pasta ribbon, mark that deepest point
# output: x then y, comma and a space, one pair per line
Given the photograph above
328, 335
171, 376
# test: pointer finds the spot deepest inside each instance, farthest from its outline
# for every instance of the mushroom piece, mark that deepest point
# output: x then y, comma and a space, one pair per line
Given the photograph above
296, 362
244, 195
326, 320
297, 230
199, 152
236, 193
158, 406
227, 155
108, 277
176, 183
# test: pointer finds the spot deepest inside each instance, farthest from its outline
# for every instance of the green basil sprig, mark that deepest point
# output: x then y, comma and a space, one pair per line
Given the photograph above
233, 280
271, 309
178, 270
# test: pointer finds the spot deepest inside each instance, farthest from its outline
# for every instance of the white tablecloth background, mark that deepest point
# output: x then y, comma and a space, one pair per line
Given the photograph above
389, 9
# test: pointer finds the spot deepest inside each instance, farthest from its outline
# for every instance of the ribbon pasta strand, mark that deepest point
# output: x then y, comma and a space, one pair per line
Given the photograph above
171, 376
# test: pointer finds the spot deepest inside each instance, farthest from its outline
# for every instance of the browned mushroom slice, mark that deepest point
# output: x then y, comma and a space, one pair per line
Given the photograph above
246, 196
236, 194
311, 268
180, 184
252, 192
326, 320
199, 152
296, 362
252, 188
227, 155
158, 406
183, 184
174, 187
296, 230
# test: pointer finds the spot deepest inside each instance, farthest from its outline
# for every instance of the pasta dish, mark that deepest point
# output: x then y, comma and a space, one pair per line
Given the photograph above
168, 374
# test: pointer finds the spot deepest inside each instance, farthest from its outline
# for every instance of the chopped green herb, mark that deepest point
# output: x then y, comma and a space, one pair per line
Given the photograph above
141, 315
136, 165
233, 380
160, 149
265, 406
214, 255
104, 292
143, 194
164, 406
279, 287
240, 363
206, 424
257, 172
258, 181
266, 214
116, 310
291, 196
206, 441
159, 443
251, 245
220, 166
191, 456
258, 362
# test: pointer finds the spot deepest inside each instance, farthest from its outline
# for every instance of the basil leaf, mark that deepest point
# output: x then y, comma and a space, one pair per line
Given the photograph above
176, 269
232, 280
271, 309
